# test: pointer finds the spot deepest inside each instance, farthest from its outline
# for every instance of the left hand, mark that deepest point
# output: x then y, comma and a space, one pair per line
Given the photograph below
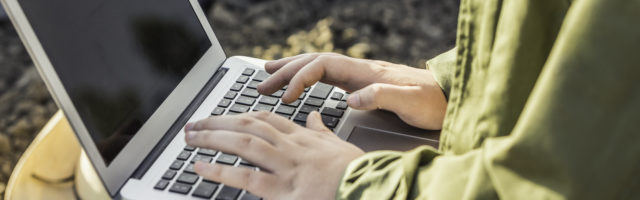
295, 162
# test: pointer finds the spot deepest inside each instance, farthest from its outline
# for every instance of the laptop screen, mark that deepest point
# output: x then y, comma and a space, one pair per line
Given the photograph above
117, 59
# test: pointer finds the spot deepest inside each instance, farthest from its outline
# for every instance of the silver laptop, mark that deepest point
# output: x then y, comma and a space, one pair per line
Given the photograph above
130, 74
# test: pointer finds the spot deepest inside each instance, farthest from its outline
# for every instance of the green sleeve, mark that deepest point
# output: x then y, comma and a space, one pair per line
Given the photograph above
442, 67
577, 137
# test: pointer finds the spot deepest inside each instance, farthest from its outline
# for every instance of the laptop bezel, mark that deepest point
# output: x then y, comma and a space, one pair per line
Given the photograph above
125, 163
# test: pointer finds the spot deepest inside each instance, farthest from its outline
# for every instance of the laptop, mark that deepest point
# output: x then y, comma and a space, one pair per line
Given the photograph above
130, 74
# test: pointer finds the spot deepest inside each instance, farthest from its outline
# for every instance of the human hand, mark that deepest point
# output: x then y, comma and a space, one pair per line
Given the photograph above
295, 162
412, 94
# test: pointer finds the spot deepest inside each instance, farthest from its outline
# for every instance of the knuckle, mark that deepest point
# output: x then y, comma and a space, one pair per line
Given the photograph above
262, 115
245, 142
245, 121
323, 58
375, 89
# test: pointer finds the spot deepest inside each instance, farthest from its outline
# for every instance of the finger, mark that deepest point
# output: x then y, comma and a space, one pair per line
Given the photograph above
306, 77
249, 147
282, 124
314, 122
273, 66
238, 123
257, 182
280, 78
381, 96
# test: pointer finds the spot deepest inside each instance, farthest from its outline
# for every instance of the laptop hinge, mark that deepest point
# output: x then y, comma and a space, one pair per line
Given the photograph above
178, 124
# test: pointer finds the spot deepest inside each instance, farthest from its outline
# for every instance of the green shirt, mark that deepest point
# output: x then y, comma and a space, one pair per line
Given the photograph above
544, 103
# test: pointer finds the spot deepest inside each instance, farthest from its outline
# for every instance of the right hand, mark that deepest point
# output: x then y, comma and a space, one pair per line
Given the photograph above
412, 94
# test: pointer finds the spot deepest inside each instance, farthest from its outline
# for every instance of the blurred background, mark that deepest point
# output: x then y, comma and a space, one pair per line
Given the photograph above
401, 31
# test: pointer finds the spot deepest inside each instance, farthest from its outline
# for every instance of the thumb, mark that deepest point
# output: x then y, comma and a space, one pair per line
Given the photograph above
314, 122
378, 96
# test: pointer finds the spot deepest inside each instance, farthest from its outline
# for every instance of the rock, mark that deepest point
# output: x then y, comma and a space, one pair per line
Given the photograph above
6, 168
5, 145
219, 15
265, 24
22, 128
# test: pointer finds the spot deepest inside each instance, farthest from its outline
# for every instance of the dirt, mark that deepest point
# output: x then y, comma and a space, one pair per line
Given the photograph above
401, 31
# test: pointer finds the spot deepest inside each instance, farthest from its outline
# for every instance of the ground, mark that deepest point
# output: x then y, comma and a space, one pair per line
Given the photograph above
401, 31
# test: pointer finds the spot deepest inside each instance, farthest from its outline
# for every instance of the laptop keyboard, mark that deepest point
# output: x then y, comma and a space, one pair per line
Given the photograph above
243, 97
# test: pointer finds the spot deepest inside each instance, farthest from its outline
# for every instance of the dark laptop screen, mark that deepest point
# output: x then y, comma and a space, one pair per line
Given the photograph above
117, 59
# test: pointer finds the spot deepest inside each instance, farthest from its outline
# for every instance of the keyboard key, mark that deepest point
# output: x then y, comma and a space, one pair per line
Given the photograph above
210, 181
301, 117
224, 103
169, 174
246, 162
307, 89
250, 93
285, 110
278, 93
188, 178
228, 193
233, 113
253, 84
332, 112
205, 190
203, 158
180, 188
284, 115
248, 72
342, 105
189, 169
246, 100
263, 107
176, 165
261, 76
329, 121
314, 102
217, 111
239, 108
344, 98
227, 159
249, 196
208, 152
236, 87
296, 103
243, 79
321, 91
189, 148
301, 97
161, 185
337, 96
249, 167
308, 109
230, 95
303, 124
269, 100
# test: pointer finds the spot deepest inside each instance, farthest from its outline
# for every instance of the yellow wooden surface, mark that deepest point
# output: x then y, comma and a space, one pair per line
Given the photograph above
47, 168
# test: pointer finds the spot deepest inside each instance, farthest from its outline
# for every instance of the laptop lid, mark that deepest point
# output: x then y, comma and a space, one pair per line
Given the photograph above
121, 70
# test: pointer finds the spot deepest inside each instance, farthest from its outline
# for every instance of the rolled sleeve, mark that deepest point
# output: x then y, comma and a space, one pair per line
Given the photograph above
442, 67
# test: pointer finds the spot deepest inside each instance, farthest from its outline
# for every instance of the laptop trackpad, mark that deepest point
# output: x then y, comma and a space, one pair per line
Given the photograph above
369, 139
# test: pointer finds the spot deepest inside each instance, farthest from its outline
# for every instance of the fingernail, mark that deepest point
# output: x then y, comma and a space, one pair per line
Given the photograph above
198, 166
189, 135
188, 127
354, 100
